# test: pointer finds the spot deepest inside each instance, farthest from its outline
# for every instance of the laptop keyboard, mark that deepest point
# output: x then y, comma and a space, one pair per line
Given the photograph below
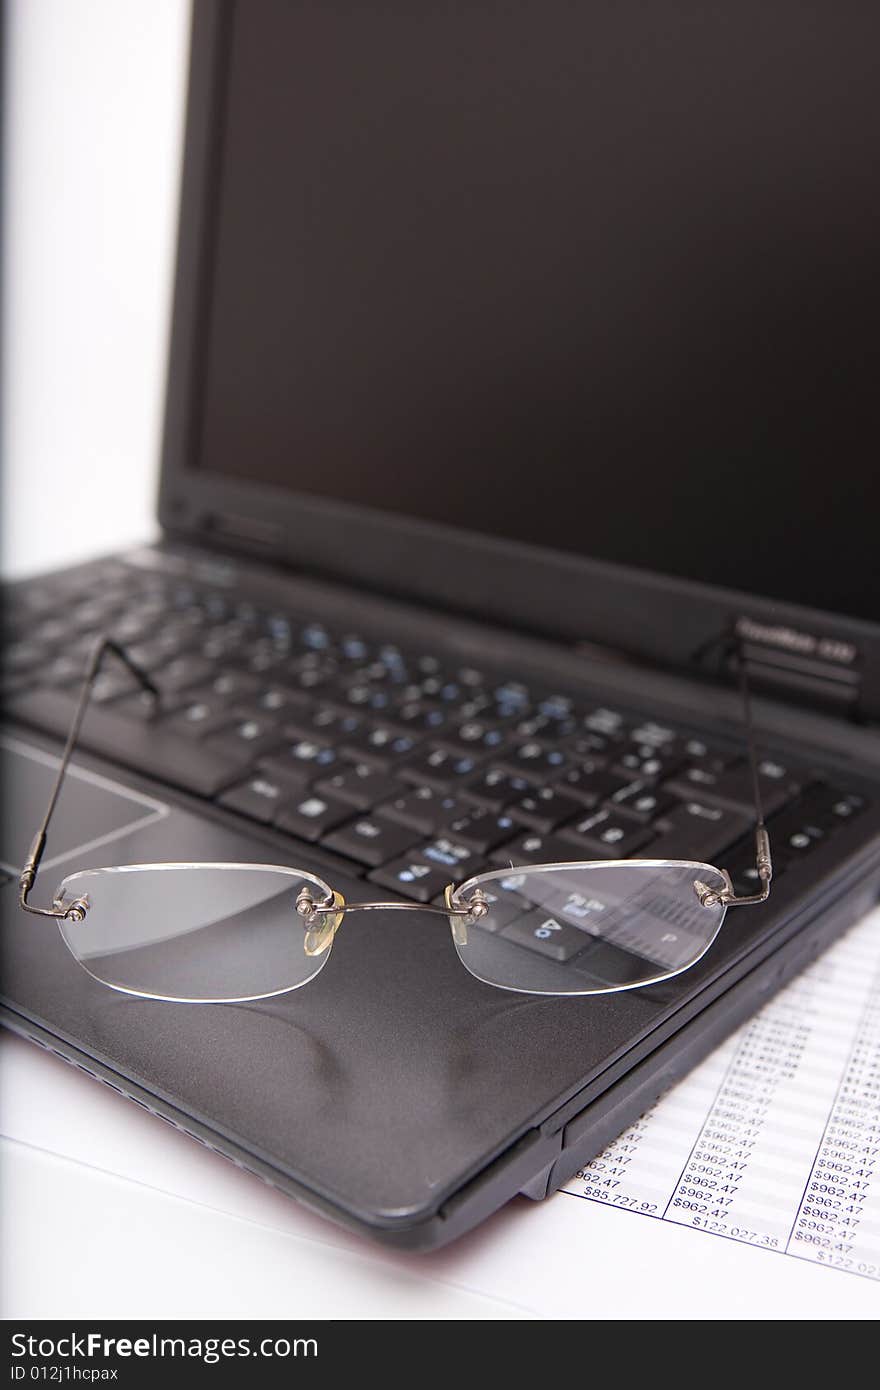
417, 770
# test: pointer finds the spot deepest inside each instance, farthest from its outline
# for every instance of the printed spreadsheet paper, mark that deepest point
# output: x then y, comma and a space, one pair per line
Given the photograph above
752, 1190
775, 1140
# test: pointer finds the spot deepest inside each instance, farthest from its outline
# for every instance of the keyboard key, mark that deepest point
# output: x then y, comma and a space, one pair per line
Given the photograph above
496, 789
802, 840
653, 735
590, 785
201, 717
225, 643
370, 840
359, 785
147, 709
134, 627
536, 760
439, 768
645, 761
733, 786
412, 877
380, 701
544, 808
540, 726
353, 648
379, 744
178, 635
424, 808
14, 685
482, 831
326, 722
359, 696
477, 705
50, 633
257, 736
308, 677
93, 615
513, 696
316, 638
261, 658
796, 831
180, 673
470, 678
249, 710
695, 830
311, 817
834, 808
112, 685
452, 854
258, 797
642, 801
547, 936
67, 669
535, 849
300, 762
420, 716
699, 750
475, 736
606, 721
588, 747
605, 833
277, 699
23, 656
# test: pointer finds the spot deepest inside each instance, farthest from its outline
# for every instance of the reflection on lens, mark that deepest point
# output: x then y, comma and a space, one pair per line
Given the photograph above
193, 932
589, 928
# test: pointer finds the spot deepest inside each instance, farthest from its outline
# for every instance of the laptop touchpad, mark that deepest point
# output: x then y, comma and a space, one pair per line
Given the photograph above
92, 811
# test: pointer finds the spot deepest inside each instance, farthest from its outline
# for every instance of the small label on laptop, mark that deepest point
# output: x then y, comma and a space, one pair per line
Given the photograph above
797, 642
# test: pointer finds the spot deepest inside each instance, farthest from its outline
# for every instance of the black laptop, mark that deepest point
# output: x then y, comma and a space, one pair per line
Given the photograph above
522, 357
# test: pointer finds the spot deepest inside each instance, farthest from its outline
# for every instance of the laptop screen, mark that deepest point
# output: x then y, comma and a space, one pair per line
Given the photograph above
601, 277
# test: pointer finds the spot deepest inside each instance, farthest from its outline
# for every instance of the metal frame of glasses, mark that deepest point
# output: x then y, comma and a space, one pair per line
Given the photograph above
220, 933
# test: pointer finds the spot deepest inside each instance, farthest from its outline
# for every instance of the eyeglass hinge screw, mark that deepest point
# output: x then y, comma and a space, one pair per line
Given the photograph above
76, 911
709, 897
308, 909
305, 906
477, 905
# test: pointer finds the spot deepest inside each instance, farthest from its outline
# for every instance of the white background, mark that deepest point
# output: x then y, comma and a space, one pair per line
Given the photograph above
105, 1211
94, 109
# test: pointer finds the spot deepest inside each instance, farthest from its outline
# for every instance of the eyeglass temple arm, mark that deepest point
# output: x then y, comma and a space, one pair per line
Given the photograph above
105, 648
709, 897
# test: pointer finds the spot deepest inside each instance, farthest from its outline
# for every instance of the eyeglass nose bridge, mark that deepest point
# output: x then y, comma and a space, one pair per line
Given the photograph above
322, 918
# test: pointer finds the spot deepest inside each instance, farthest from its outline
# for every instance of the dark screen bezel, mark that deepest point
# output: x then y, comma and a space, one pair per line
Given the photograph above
651, 617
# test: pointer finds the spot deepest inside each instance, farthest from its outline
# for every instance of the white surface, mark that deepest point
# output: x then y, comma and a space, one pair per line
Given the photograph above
92, 121
105, 1210
120, 1249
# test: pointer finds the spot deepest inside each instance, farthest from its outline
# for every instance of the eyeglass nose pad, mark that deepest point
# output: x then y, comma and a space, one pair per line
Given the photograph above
457, 922
319, 938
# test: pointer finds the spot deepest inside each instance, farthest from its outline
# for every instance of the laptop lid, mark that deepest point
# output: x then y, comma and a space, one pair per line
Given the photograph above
560, 315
